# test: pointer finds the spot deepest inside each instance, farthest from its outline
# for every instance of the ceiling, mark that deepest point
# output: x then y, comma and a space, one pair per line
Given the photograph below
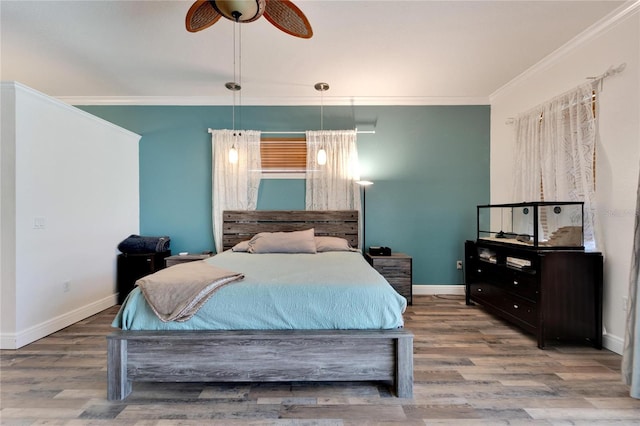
370, 52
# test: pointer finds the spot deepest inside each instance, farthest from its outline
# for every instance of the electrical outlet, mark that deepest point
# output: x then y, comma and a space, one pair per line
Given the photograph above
459, 264
66, 286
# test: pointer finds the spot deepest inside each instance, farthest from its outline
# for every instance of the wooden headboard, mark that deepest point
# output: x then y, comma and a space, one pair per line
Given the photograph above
241, 225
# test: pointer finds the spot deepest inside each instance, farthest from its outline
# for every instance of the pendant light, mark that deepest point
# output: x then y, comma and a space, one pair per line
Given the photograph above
322, 154
235, 85
233, 152
322, 157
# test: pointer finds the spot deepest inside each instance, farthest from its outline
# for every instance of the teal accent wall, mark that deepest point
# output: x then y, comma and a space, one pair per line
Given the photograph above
429, 165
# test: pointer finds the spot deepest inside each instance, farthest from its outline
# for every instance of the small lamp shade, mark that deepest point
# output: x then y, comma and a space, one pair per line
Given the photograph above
322, 157
233, 155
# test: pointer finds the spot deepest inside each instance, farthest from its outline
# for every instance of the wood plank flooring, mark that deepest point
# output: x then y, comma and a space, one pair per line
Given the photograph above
470, 368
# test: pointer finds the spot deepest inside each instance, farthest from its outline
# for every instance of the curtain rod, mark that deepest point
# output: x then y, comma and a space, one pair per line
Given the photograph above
611, 71
597, 79
302, 132
370, 132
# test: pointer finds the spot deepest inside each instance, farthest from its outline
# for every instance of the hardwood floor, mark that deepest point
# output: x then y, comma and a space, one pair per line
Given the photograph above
470, 368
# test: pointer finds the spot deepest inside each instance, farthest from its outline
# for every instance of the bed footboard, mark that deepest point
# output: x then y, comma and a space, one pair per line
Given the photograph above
259, 356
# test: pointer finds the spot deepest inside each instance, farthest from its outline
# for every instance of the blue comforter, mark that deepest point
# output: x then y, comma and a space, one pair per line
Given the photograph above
333, 290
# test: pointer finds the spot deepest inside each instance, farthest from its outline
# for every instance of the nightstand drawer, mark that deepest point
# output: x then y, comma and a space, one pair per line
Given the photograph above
397, 270
393, 268
402, 287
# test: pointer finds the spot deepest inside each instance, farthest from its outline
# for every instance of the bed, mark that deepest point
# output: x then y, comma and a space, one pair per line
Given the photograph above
284, 345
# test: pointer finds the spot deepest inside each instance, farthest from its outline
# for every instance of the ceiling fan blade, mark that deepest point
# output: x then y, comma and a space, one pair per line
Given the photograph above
286, 16
201, 15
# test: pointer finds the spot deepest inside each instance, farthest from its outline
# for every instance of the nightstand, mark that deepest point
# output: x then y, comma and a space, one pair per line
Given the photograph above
397, 270
177, 258
132, 266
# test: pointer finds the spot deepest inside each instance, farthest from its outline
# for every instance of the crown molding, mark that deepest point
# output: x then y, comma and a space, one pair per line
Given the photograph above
604, 24
274, 101
59, 103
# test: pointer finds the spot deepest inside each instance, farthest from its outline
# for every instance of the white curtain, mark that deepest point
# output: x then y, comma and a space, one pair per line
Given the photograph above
332, 186
631, 351
555, 147
527, 158
235, 185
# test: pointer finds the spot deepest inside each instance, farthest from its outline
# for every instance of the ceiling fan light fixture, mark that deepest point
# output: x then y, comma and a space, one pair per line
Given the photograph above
283, 14
240, 10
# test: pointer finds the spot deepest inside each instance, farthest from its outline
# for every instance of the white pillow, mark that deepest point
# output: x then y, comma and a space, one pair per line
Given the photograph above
283, 242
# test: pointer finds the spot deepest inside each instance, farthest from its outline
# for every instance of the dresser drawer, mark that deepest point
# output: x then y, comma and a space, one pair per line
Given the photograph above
482, 291
523, 284
508, 305
521, 310
486, 272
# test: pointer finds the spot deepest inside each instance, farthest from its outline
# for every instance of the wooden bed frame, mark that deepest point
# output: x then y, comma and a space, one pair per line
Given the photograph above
264, 355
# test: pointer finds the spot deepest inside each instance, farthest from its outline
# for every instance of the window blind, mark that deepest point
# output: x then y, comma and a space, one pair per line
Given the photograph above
283, 155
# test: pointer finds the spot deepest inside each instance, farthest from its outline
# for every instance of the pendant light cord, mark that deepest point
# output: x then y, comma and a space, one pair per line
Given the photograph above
239, 74
322, 109
321, 87
236, 85
233, 110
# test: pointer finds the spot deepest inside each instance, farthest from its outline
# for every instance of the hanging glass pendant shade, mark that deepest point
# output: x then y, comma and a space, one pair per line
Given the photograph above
322, 157
233, 155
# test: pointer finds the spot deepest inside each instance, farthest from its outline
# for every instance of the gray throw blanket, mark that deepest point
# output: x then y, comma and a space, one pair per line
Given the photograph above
176, 293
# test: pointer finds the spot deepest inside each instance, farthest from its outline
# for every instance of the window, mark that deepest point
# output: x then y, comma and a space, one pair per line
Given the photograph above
543, 212
593, 159
283, 157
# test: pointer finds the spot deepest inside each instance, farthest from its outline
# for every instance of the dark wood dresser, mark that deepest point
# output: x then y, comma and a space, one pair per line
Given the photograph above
554, 294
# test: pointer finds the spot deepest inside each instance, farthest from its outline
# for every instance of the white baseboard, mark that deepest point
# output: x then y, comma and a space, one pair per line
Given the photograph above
22, 338
438, 289
613, 343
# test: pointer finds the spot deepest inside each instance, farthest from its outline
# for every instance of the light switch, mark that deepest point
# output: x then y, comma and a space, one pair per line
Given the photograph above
38, 223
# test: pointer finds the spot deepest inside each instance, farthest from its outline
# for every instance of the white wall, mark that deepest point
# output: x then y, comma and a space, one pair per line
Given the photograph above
75, 197
613, 41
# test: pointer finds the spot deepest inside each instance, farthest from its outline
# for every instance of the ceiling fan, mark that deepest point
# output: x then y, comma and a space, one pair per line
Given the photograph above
283, 14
